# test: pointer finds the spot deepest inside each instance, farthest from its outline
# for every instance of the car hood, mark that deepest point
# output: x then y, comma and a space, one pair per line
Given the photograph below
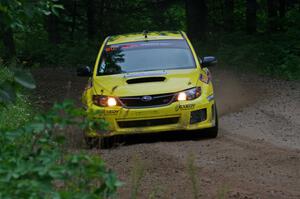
146, 83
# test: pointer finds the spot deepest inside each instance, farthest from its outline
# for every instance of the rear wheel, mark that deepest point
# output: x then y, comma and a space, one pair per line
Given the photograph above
213, 131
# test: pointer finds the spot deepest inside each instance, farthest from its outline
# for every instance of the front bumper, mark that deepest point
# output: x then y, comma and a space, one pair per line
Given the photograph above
182, 115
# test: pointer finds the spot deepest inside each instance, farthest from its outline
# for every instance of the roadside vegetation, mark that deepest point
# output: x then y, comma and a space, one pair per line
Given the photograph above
263, 54
269, 53
35, 162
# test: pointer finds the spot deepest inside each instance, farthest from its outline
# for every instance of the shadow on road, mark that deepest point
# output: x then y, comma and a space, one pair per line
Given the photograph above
171, 136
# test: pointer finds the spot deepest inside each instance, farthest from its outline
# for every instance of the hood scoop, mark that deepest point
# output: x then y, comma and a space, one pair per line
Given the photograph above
145, 80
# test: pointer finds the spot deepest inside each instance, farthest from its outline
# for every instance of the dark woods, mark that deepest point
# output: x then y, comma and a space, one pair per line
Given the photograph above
43, 31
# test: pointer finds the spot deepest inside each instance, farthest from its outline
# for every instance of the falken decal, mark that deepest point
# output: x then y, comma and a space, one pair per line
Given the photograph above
185, 107
111, 112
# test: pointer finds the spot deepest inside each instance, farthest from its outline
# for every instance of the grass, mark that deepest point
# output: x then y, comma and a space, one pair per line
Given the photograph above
137, 173
223, 192
192, 173
14, 115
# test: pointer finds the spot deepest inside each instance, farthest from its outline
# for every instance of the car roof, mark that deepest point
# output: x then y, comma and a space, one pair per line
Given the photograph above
155, 35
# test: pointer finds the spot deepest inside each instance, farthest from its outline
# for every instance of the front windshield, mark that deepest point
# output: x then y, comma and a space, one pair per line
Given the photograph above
145, 56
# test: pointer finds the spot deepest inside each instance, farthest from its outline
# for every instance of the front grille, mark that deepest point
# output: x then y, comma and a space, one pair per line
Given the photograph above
145, 123
147, 101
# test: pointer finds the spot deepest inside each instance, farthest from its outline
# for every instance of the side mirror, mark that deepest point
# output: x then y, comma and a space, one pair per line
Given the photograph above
84, 71
209, 61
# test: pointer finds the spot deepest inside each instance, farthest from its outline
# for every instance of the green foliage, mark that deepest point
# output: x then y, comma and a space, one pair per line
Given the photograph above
35, 50
263, 53
175, 18
75, 49
16, 114
11, 81
33, 163
276, 54
17, 13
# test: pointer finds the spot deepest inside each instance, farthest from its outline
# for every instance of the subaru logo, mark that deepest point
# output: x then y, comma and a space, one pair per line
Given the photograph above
146, 98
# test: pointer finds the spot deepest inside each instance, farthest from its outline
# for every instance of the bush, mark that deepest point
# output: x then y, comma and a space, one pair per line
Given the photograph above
34, 164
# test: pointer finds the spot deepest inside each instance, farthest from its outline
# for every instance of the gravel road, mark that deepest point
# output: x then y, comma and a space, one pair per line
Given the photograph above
257, 153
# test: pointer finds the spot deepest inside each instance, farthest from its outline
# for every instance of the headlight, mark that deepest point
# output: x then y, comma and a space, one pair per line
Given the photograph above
189, 94
102, 100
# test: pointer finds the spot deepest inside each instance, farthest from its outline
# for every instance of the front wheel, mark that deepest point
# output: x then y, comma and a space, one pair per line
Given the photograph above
98, 142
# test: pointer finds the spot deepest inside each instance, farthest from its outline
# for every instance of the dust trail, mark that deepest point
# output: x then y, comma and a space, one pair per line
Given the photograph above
232, 92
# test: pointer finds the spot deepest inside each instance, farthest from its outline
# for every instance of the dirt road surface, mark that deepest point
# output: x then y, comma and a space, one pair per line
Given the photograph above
257, 153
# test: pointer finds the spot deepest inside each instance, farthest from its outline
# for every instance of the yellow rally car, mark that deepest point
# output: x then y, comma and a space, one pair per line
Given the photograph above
150, 82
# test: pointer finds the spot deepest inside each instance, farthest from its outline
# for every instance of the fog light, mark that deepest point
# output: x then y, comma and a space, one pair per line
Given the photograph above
198, 116
111, 101
181, 96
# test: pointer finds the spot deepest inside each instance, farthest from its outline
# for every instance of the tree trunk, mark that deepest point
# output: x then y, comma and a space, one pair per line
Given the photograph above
272, 15
229, 8
100, 16
74, 17
53, 29
91, 23
7, 37
282, 8
9, 44
251, 8
196, 12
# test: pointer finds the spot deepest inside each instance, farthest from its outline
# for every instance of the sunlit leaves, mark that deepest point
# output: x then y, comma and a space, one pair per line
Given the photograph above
25, 79
55, 8
9, 87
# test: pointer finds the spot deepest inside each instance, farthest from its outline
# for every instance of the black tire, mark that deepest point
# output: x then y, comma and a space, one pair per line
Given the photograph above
213, 131
99, 143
